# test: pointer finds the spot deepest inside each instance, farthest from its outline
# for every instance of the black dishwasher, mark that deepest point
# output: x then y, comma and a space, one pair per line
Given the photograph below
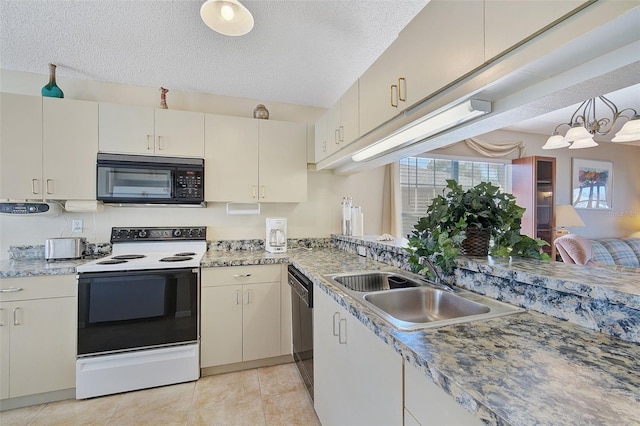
302, 325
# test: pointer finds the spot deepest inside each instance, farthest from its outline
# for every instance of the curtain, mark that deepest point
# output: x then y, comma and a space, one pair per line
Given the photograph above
493, 150
392, 201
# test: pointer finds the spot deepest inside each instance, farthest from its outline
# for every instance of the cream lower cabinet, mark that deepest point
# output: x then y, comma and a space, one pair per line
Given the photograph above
427, 404
240, 314
130, 129
48, 148
357, 377
250, 160
37, 335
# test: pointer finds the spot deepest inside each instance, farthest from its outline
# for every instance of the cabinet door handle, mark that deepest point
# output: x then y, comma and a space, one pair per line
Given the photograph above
336, 325
402, 82
394, 99
262, 191
17, 311
342, 340
237, 297
248, 296
336, 136
148, 142
341, 133
159, 144
324, 146
253, 192
49, 184
10, 289
33, 186
241, 275
2, 314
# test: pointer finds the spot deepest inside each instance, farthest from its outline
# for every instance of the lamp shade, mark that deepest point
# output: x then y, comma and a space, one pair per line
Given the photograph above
577, 132
567, 216
228, 17
583, 143
630, 131
556, 141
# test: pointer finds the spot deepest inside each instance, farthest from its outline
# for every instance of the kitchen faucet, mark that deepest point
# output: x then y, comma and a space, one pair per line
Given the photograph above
426, 262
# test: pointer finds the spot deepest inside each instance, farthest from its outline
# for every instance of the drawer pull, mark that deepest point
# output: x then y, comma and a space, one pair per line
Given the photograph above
10, 289
241, 275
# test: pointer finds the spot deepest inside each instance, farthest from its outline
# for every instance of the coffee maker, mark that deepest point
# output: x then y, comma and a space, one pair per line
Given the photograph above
276, 241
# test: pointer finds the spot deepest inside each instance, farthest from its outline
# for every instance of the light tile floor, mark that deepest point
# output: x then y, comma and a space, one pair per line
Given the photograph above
264, 396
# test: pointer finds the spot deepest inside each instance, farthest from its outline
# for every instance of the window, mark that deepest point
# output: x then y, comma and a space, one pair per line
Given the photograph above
422, 179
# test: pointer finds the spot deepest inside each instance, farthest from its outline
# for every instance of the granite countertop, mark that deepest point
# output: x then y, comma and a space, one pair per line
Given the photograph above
526, 368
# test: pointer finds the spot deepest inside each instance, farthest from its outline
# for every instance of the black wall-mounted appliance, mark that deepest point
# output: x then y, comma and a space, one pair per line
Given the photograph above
141, 180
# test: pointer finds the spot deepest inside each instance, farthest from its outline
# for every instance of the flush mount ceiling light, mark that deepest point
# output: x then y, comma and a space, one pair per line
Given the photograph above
584, 125
228, 17
426, 126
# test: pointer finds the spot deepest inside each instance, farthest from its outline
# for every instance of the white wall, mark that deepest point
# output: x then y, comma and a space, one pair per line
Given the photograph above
623, 219
319, 216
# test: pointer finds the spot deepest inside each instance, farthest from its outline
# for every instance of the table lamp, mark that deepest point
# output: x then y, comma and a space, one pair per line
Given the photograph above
566, 216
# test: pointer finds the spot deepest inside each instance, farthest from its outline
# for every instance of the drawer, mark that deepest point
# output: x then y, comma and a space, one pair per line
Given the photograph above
40, 287
232, 275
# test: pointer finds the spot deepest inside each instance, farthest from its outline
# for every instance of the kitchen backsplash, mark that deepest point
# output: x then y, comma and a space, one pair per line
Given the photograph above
255, 245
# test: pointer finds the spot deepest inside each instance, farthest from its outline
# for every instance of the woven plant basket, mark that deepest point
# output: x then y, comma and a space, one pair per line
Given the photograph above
477, 241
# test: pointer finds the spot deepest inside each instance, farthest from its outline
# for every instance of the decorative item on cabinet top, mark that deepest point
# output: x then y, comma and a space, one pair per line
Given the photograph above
261, 112
51, 89
163, 98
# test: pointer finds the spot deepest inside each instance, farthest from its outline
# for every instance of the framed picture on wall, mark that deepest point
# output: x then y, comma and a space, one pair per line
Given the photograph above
592, 184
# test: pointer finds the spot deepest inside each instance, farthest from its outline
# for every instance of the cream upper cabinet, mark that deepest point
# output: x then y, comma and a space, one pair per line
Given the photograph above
179, 133
231, 158
20, 147
126, 129
140, 130
357, 377
509, 22
249, 160
37, 332
48, 148
342, 124
378, 94
442, 43
321, 141
69, 149
282, 161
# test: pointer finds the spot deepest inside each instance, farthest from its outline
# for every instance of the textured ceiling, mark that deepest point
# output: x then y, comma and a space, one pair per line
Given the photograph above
305, 52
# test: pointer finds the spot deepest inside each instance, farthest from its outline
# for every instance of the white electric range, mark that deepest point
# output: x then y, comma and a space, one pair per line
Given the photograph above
138, 311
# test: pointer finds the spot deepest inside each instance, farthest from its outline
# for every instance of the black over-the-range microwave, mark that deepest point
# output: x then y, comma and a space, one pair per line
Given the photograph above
141, 179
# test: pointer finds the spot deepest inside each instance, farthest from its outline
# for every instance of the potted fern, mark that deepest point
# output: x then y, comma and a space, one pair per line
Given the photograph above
463, 222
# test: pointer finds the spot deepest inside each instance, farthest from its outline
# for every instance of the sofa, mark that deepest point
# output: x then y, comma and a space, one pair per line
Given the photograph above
599, 252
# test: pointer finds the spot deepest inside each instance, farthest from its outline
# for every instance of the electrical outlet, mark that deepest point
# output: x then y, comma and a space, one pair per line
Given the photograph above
76, 225
362, 250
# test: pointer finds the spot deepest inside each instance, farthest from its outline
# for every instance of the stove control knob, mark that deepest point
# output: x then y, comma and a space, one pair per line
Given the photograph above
142, 233
177, 232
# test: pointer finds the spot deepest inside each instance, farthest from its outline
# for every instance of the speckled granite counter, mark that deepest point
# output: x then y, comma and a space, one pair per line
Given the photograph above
19, 268
522, 369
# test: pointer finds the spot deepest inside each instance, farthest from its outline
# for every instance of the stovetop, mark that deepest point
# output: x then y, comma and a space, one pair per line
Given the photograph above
151, 248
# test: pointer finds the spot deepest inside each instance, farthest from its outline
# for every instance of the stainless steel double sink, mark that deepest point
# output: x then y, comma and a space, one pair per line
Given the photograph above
408, 302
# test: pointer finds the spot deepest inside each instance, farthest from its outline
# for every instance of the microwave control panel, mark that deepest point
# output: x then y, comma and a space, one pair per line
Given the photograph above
189, 184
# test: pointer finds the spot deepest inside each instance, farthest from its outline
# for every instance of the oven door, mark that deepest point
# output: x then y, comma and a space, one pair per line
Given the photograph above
119, 311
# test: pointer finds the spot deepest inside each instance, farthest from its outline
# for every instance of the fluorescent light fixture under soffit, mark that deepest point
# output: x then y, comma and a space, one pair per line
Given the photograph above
228, 17
426, 126
584, 125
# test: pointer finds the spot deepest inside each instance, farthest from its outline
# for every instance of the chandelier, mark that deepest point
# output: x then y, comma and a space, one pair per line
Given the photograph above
585, 124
